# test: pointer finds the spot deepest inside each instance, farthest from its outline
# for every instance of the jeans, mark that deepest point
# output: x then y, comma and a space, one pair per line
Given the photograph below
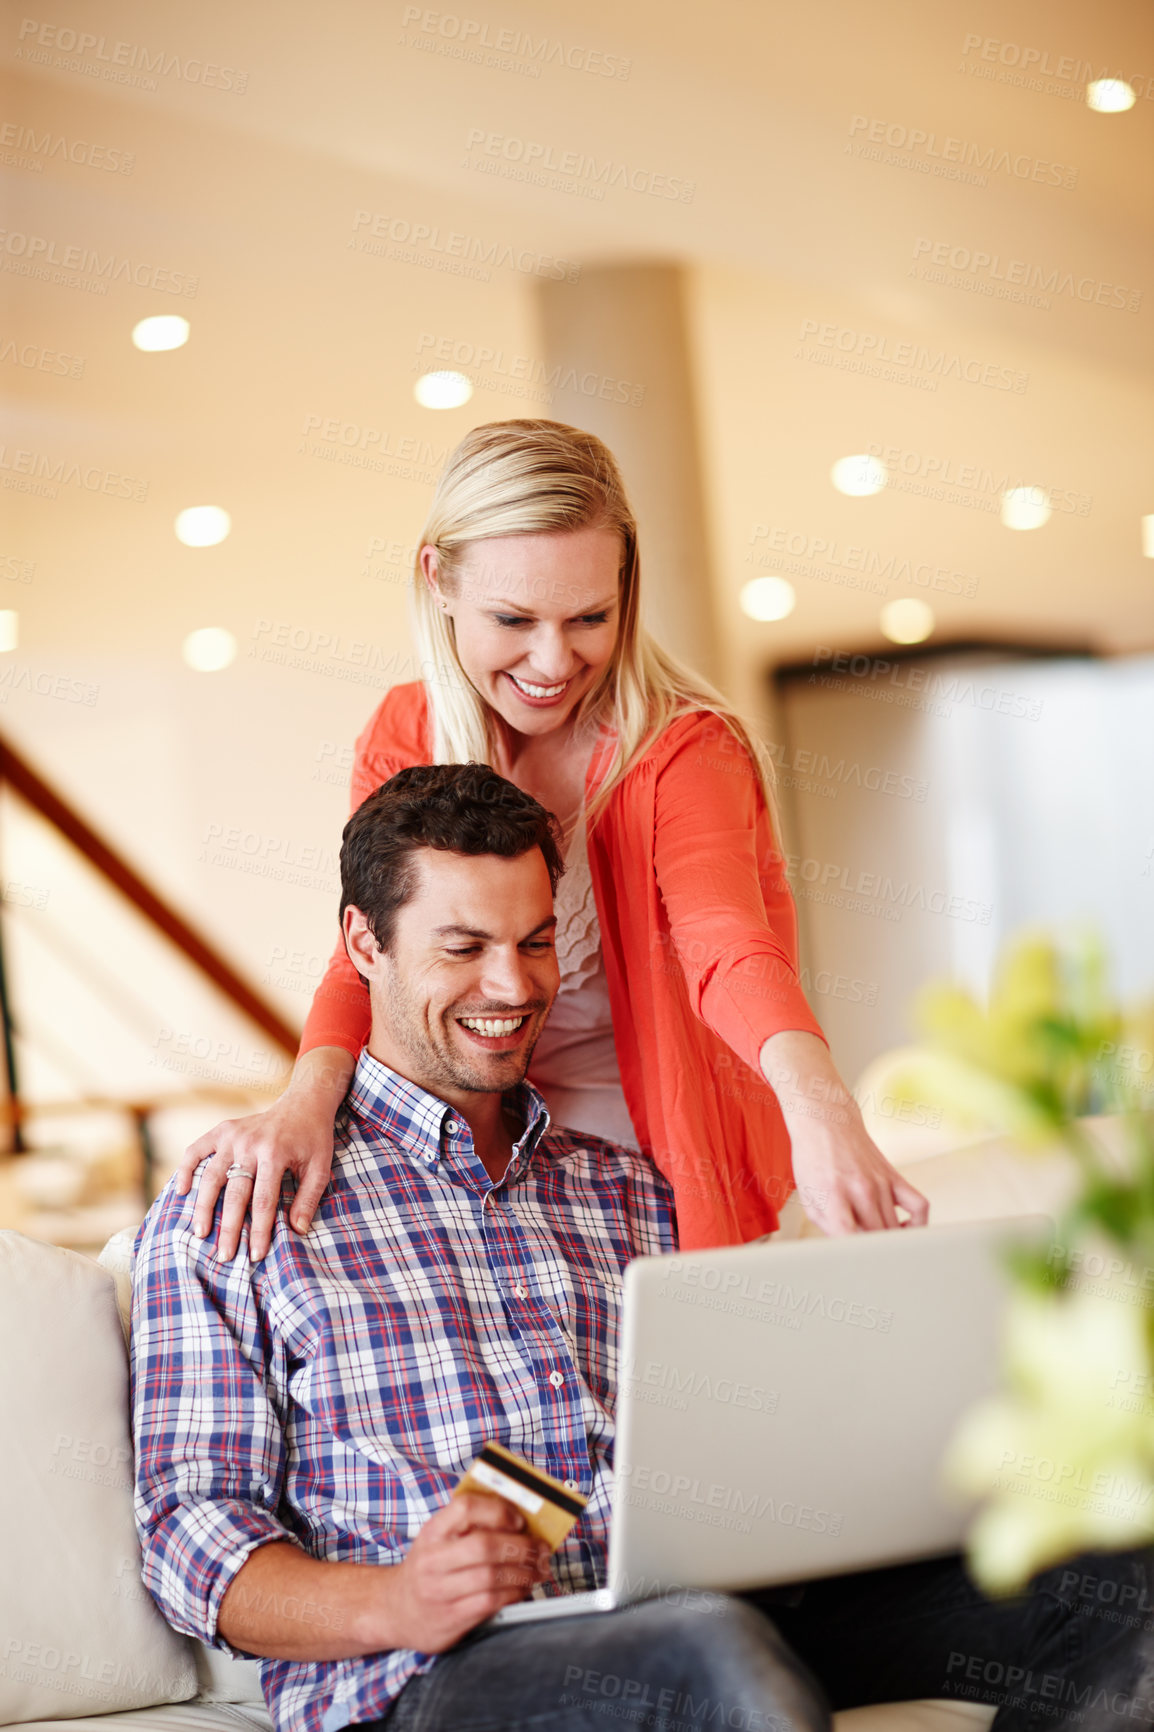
1073, 1651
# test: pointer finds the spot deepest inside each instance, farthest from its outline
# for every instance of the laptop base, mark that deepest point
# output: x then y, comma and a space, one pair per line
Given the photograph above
554, 1606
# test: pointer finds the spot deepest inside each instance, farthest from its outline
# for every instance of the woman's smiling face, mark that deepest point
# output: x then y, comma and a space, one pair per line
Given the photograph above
536, 619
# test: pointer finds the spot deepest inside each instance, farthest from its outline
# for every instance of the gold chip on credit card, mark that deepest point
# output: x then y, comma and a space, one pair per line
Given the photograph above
549, 1508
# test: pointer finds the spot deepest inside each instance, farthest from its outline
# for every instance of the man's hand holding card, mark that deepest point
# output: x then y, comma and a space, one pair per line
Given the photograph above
549, 1508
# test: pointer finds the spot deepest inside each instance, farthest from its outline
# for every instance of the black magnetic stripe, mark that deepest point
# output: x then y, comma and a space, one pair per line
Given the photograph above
526, 1476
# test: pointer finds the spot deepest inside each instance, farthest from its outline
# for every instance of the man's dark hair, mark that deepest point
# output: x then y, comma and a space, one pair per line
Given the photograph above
462, 808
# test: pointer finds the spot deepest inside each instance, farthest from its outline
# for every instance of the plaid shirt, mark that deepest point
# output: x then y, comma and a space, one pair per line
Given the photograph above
333, 1394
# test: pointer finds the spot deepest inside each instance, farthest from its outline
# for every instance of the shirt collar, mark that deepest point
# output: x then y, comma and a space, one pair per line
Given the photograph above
428, 1128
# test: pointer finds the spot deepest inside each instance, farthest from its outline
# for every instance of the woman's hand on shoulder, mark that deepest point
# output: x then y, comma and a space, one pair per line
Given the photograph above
294, 1135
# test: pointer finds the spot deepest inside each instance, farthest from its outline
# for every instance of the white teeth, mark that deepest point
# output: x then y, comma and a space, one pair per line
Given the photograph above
539, 691
493, 1025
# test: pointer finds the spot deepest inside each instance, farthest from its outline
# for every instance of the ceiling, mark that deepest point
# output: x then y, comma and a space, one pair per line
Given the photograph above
248, 154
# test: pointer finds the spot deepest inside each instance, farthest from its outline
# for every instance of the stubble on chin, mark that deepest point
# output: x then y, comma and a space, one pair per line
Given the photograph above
479, 1082
435, 1061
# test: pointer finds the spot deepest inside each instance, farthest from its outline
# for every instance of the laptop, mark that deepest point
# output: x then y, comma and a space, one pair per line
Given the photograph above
783, 1409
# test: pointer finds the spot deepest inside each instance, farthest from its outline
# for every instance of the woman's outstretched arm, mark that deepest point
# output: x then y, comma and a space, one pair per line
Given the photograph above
845, 1183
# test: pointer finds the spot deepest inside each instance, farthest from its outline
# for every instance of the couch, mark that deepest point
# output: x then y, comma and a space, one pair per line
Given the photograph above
82, 1646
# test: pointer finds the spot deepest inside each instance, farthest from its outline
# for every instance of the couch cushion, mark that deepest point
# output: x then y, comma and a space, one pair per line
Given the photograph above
78, 1633
184, 1717
116, 1257
884, 1717
928, 1716
223, 1678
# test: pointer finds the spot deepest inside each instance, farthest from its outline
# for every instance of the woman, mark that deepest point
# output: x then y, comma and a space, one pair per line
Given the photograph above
680, 1026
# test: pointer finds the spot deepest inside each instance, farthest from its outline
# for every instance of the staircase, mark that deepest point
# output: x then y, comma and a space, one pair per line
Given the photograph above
124, 1032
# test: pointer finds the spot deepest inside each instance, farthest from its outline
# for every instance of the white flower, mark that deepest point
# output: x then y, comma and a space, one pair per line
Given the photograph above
1066, 1458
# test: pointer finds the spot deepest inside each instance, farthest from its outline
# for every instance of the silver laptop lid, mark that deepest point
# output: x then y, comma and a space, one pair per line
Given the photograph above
783, 1408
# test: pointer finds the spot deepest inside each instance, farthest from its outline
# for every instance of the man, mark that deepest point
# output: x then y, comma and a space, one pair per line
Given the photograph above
301, 1422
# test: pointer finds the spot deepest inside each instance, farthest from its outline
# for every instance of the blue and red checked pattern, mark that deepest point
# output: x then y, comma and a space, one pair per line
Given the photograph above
333, 1394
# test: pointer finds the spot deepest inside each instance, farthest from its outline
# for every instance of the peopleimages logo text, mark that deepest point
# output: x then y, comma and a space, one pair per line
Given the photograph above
1020, 273
474, 34
536, 157
53, 145
916, 141
122, 57
40, 251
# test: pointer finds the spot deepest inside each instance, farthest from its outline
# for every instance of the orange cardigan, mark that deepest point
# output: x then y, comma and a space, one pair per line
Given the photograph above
699, 938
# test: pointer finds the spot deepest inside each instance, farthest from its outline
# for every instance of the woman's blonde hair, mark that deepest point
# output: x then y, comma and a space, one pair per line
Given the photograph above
535, 478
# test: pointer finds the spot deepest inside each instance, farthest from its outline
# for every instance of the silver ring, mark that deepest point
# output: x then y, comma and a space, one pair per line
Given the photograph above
239, 1173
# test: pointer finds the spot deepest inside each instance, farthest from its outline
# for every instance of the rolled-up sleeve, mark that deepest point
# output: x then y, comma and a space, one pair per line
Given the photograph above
732, 920
210, 1449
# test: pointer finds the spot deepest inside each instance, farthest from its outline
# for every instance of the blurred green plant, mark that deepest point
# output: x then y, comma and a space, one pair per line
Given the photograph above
1063, 1459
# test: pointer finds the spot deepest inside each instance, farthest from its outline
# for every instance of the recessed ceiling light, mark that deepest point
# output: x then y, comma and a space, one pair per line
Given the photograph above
442, 390
202, 525
907, 620
9, 628
858, 476
768, 598
162, 331
209, 649
1110, 95
1025, 507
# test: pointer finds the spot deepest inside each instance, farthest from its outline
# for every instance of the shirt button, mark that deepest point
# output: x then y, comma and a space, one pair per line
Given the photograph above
452, 1127
570, 1484
520, 1292
556, 1378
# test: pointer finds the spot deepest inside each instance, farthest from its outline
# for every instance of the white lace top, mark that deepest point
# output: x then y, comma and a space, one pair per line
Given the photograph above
574, 1063
578, 937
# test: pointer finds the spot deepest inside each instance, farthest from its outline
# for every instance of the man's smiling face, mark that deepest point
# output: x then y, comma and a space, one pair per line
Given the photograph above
461, 993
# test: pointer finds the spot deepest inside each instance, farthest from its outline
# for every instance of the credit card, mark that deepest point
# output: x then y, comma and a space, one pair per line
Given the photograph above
549, 1508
